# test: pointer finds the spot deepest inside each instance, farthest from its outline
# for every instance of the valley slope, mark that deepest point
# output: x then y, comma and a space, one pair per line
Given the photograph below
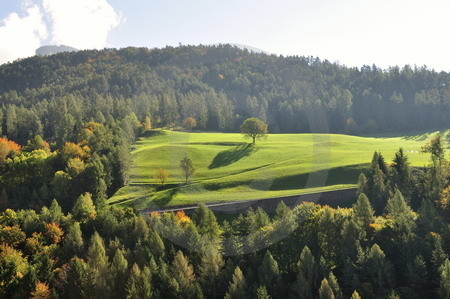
229, 168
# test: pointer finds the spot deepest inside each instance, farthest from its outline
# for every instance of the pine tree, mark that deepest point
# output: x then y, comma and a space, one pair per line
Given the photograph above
307, 275
73, 242
400, 212
210, 268
183, 275
334, 285
84, 208
262, 293
416, 273
363, 210
355, 295
325, 291
238, 286
206, 222
444, 287
268, 272
401, 177
139, 283
118, 271
362, 184
377, 269
97, 262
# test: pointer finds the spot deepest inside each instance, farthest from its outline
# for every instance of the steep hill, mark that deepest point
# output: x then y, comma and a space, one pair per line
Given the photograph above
220, 86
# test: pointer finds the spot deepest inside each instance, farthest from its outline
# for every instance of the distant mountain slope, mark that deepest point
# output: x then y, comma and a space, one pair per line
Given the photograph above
249, 48
53, 49
220, 86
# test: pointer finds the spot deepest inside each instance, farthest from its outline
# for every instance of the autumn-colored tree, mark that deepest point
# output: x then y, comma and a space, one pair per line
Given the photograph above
147, 124
75, 166
162, 175
13, 268
182, 217
42, 291
72, 150
189, 123
53, 232
12, 235
6, 147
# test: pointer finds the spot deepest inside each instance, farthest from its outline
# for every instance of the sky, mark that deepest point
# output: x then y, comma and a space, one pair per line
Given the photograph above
351, 32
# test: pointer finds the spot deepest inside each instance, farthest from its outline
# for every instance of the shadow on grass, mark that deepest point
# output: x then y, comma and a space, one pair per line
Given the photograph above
165, 197
153, 133
334, 176
421, 135
233, 155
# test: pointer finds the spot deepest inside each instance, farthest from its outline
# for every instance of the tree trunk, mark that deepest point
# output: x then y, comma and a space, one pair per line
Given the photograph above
253, 139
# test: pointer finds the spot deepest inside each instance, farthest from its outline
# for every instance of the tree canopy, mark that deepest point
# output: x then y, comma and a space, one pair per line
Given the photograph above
254, 128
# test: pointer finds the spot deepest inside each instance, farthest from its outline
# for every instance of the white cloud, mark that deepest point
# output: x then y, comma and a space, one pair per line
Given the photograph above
81, 24
21, 36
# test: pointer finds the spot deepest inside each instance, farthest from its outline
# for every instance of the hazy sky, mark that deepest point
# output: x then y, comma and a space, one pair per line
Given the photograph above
353, 32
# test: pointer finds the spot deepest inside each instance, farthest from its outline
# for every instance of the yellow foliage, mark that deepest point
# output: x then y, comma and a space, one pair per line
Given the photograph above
182, 217
155, 214
72, 150
41, 291
54, 232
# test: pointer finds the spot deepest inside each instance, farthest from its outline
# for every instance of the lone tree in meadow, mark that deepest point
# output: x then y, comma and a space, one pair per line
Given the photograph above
162, 175
187, 167
254, 128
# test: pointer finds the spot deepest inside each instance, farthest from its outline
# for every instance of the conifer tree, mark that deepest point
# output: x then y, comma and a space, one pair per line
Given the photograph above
268, 272
307, 275
210, 268
262, 293
363, 210
139, 284
118, 271
325, 291
238, 286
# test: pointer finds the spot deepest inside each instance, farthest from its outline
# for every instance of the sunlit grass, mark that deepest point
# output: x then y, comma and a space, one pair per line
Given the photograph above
229, 168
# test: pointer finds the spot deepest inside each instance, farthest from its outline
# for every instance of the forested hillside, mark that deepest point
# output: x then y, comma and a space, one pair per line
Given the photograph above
219, 86
394, 242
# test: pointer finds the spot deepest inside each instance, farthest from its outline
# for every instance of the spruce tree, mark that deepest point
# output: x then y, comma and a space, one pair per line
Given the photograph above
238, 286
325, 291
268, 272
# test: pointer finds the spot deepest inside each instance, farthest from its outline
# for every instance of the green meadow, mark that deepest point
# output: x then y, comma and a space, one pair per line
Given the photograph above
229, 168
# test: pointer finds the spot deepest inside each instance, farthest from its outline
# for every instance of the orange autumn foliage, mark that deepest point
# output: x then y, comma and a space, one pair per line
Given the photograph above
155, 214
11, 144
7, 146
72, 150
54, 232
182, 217
42, 291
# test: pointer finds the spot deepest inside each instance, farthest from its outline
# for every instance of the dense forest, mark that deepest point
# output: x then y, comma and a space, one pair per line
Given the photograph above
68, 121
219, 86
394, 242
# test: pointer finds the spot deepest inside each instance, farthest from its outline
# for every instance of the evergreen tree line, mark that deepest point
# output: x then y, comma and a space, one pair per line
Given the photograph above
393, 242
219, 87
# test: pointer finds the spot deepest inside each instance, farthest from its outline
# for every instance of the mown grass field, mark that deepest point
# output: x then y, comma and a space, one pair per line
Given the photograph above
229, 168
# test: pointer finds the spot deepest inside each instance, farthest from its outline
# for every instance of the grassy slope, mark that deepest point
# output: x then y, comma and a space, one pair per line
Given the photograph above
228, 168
